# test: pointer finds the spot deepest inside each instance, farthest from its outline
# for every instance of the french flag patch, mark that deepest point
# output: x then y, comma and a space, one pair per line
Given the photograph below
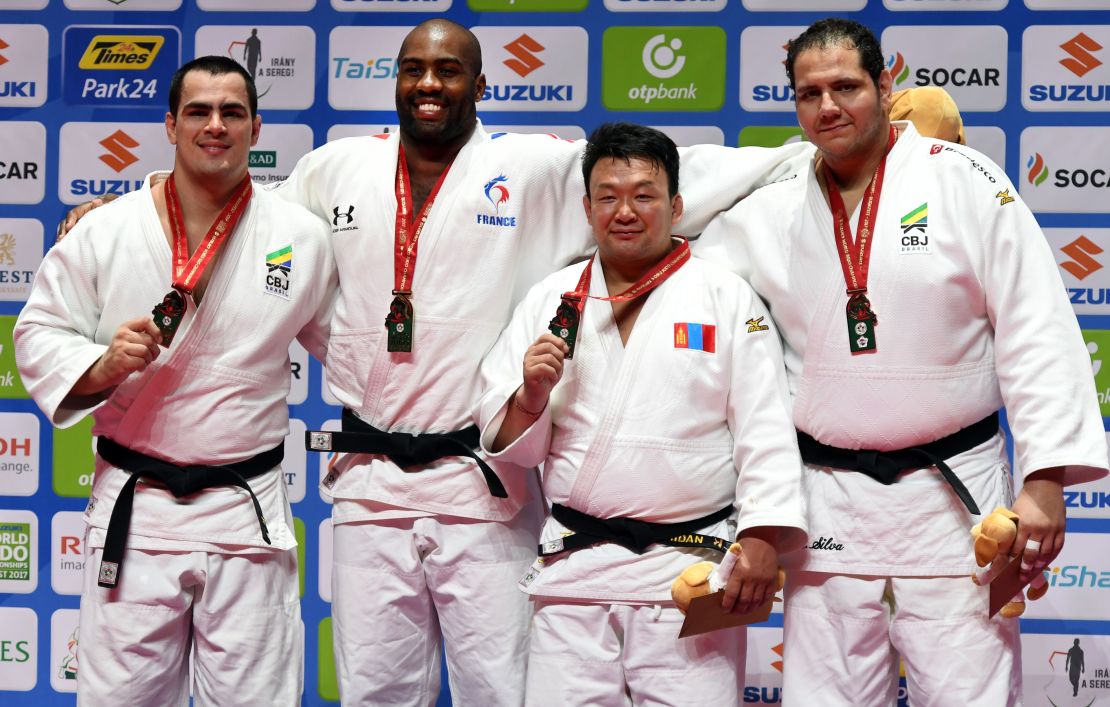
700, 337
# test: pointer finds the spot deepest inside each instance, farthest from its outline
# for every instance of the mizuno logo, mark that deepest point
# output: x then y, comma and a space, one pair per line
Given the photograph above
756, 324
1081, 60
524, 49
3, 45
119, 157
1004, 197
1081, 264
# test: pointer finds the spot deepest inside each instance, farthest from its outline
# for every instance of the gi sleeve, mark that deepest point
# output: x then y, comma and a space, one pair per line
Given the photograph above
315, 334
713, 178
299, 187
765, 445
1042, 363
54, 334
502, 373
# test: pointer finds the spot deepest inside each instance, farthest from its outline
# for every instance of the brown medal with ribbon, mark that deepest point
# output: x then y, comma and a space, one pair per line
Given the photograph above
187, 271
572, 304
855, 254
401, 319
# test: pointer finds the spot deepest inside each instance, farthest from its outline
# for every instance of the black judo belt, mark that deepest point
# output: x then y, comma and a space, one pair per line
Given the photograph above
636, 535
181, 481
402, 448
885, 467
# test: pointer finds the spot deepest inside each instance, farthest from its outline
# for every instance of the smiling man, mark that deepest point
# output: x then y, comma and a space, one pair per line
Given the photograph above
191, 546
916, 296
657, 409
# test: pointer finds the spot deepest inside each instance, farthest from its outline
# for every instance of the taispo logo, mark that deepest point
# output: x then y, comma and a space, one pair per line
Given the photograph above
663, 68
136, 52
1078, 577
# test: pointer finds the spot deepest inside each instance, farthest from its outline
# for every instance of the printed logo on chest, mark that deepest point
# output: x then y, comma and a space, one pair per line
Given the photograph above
279, 271
915, 231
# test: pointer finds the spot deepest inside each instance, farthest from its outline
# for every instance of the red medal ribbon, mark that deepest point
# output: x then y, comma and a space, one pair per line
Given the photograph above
855, 254
188, 271
658, 275
407, 231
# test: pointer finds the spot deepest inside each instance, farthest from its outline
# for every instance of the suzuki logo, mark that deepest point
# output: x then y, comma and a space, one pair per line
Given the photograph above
1080, 251
3, 45
524, 49
118, 157
1081, 60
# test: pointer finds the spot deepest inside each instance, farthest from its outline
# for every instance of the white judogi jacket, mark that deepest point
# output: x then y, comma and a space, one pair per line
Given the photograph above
972, 315
508, 213
216, 395
650, 430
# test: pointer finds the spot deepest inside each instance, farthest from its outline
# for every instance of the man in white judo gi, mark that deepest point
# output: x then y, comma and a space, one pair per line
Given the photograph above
444, 243
916, 295
668, 430
438, 232
191, 548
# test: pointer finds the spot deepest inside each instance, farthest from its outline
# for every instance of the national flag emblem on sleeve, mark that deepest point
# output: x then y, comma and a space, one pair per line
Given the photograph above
700, 337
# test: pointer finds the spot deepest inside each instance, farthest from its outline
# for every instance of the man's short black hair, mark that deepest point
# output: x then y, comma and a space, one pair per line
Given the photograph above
629, 141
216, 66
836, 32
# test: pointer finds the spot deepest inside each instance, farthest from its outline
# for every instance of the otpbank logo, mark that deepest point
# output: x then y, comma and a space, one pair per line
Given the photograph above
663, 68
534, 68
1065, 169
119, 65
968, 62
1066, 68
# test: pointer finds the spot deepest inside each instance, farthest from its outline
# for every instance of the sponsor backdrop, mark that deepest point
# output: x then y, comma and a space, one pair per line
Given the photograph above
83, 86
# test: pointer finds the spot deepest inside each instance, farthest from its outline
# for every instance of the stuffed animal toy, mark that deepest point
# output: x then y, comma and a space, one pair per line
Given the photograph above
994, 539
706, 578
932, 111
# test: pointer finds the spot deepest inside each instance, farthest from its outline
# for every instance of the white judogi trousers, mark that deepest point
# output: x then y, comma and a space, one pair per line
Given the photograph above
401, 585
843, 635
237, 616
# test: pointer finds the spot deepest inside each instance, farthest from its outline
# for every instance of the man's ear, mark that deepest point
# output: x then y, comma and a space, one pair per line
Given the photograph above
171, 126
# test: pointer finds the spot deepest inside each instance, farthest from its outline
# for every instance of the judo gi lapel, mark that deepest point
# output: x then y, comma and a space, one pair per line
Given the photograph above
620, 363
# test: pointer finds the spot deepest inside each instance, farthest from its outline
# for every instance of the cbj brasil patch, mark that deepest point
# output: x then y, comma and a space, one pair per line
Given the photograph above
279, 270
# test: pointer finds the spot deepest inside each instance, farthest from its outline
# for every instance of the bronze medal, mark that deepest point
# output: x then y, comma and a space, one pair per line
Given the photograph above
861, 324
168, 314
565, 322
399, 324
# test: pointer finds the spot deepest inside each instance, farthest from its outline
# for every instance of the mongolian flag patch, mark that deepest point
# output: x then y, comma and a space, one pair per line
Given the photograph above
700, 337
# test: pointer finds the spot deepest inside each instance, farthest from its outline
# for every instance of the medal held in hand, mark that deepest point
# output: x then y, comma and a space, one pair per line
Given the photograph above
565, 322
399, 323
861, 323
168, 314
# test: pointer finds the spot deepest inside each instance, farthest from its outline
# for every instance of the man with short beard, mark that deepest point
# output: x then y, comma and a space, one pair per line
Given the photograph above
916, 295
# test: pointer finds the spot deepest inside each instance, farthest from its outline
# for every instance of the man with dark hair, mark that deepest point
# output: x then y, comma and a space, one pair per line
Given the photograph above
191, 575
916, 296
671, 419
440, 229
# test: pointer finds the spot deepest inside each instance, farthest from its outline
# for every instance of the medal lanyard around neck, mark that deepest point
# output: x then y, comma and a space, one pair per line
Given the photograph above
573, 304
855, 254
187, 270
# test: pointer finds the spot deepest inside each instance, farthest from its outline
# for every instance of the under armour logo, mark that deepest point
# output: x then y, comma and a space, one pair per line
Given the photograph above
349, 215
